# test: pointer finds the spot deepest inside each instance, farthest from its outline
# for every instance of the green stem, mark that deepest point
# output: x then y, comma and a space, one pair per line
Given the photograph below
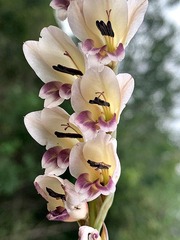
94, 208
103, 212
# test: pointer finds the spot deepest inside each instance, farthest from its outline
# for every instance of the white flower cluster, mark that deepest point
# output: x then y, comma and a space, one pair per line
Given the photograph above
85, 74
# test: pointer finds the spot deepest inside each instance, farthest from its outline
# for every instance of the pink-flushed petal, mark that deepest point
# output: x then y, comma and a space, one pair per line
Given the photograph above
136, 12
126, 84
63, 158
55, 161
110, 187
60, 214
54, 93
50, 156
118, 54
91, 190
88, 233
53, 48
108, 126
65, 91
86, 188
56, 4
49, 88
53, 101
50, 92
61, 7
88, 47
85, 123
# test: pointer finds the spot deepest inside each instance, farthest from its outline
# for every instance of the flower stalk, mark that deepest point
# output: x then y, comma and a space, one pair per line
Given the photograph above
85, 74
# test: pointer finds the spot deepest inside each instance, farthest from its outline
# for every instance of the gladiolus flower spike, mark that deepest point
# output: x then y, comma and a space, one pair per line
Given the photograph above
84, 142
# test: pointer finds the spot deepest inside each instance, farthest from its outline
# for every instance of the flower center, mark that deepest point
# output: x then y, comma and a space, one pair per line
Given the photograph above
103, 103
68, 70
103, 169
55, 195
106, 30
75, 134
64, 69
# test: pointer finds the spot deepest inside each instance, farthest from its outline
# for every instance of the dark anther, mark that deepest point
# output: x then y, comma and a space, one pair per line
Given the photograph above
64, 69
98, 165
110, 30
68, 135
105, 29
56, 195
100, 102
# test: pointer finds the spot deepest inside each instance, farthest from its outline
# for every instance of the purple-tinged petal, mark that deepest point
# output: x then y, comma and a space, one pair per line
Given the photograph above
91, 190
60, 214
65, 91
110, 187
55, 160
118, 54
83, 184
61, 7
88, 233
49, 88
63, 158
50, 156
54, 93
88, 47
108, 126
86, 188
85, 123
59, 4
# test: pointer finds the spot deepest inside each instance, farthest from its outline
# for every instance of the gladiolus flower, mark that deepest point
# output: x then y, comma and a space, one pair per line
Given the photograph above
50, 127
96, 166
98, 99
61, 7
55, 160
88, 233
57, 62
64, 204
106, 27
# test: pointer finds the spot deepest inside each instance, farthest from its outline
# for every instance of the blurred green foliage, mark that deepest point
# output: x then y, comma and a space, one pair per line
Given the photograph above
147, 200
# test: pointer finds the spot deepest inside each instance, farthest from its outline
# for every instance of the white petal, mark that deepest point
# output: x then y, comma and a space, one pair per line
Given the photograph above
35, 127
96, 10
49, 51
77, 22
42, 126
136, 12
92, 84
126, 83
